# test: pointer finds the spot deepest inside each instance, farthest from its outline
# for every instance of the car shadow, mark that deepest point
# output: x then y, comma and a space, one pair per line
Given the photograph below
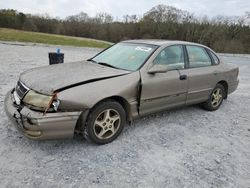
142, 122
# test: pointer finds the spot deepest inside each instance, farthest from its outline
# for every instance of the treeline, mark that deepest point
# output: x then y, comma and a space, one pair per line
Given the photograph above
223, 34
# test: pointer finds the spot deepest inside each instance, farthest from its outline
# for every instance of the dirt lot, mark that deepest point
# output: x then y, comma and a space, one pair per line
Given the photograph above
188, 147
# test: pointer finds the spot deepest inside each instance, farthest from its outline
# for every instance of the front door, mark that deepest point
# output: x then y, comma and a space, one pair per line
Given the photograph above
161, 91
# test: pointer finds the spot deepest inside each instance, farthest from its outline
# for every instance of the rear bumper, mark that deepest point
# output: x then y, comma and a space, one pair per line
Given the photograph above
233, 86
36, 125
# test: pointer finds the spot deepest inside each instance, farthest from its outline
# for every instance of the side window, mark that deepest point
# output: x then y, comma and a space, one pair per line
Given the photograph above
198, 57
171, 56
216, 59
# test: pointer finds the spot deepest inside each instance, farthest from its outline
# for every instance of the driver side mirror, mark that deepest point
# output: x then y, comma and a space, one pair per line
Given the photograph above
158, 68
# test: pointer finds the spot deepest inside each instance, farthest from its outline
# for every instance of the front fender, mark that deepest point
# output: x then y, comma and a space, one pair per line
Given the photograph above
87, 95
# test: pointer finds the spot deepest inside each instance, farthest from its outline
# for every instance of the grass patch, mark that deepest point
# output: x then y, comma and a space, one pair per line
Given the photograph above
34, 37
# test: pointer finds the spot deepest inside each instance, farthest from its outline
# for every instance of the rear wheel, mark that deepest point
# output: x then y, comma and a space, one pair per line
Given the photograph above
215, 98
105, 122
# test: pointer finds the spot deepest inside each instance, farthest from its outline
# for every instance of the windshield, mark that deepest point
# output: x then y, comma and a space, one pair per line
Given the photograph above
128, 56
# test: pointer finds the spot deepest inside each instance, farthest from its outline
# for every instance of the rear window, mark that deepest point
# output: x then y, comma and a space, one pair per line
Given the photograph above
215, 58
198, 57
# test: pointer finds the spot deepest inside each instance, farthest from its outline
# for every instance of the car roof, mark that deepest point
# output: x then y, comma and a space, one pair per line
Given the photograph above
161, 42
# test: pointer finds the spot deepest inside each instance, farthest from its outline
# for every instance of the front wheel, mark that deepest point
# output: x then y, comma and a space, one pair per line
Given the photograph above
105, 122
215, 98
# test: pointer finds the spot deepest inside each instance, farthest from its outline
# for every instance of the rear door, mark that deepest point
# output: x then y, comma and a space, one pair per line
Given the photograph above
201, 72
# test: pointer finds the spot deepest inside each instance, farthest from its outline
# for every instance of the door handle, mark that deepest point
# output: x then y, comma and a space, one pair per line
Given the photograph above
183, 77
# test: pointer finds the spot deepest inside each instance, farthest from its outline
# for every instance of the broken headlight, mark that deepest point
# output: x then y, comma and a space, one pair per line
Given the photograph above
41, 102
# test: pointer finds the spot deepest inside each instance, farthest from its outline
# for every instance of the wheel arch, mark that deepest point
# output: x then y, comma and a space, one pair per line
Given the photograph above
225, 85
122, 101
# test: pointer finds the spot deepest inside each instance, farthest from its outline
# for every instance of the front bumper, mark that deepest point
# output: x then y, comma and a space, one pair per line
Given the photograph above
36, 125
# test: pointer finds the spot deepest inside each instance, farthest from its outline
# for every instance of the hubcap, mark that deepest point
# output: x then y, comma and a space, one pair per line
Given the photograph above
107, 123
216, 97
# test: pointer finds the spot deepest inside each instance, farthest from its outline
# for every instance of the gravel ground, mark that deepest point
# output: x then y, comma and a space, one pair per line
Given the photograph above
188, 147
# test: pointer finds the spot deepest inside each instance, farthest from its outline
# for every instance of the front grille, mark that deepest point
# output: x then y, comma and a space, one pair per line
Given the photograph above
21, 89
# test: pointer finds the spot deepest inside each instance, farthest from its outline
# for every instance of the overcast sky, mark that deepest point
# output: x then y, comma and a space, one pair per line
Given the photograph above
118, 8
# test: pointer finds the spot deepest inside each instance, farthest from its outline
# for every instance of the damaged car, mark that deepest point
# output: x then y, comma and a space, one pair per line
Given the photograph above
128, 80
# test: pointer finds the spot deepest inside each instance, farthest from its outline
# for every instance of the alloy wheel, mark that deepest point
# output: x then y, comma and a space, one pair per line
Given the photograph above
107, 124
216, 97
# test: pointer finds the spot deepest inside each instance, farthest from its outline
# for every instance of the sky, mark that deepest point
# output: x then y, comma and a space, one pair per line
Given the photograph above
118, 8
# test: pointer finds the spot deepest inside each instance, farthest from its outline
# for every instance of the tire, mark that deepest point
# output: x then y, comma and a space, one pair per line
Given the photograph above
105, 122
215, 98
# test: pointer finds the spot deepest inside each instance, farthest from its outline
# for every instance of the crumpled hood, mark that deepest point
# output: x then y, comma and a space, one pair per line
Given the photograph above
51, 78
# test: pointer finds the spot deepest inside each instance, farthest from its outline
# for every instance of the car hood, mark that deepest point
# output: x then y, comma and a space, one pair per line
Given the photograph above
49, 79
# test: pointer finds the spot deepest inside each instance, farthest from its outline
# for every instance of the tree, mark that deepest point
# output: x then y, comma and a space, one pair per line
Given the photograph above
222, 33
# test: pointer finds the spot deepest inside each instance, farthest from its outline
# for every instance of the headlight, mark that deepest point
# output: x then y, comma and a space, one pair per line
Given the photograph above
43, 102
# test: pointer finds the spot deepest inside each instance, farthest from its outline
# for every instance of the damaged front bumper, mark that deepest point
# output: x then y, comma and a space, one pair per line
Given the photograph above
37, 125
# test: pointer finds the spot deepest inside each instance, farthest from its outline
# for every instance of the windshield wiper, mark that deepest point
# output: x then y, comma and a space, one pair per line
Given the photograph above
102, 63
108, 65
92, 60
